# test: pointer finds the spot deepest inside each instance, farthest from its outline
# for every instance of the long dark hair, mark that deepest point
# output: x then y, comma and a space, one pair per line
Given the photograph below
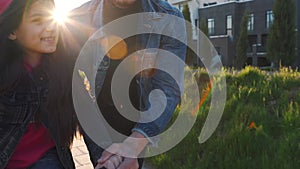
59, 69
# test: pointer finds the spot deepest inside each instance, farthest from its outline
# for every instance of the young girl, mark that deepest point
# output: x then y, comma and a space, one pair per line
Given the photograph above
37, 120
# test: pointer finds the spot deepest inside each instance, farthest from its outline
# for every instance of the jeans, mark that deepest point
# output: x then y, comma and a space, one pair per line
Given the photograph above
49, 161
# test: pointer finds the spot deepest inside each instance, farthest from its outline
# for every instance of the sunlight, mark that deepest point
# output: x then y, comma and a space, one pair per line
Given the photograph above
63, 8
63, 16
60, 15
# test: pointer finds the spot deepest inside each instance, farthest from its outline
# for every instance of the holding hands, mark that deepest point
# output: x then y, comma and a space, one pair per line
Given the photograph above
123, 155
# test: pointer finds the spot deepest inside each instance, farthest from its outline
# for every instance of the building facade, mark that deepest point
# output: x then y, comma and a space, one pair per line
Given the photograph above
194, 6
224, 18
224, 21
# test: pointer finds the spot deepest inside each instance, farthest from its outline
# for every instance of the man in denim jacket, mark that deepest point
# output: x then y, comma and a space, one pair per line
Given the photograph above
92, 16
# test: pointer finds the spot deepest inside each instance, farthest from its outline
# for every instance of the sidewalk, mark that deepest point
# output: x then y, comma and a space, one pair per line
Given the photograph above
81, 155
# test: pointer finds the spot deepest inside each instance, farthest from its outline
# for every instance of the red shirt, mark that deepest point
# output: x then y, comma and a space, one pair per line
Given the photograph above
33, 145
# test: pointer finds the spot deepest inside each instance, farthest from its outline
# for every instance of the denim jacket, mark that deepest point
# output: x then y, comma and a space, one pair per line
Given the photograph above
90, 14
17, 109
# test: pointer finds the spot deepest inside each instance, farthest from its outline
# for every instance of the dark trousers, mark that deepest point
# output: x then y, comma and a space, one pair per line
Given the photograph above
49, 161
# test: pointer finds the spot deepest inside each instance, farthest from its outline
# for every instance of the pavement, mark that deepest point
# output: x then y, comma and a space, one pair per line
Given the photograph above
81, 156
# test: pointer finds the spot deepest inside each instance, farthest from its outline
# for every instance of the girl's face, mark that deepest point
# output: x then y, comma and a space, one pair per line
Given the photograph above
38, 32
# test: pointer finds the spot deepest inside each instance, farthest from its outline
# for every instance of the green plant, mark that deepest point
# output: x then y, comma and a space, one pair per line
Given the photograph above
260, 126
281, 41
242, 44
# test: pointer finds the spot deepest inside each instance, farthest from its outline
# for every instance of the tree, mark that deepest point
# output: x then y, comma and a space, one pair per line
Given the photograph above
242, 44
203, 26
281, 41
190, 56
186, 12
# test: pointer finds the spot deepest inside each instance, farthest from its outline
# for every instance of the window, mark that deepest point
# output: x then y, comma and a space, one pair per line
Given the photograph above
211, 26
229, 25
269, 18
251, 22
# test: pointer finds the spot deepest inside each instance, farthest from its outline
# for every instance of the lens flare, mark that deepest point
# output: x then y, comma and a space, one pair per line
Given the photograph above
60, 15
115, 47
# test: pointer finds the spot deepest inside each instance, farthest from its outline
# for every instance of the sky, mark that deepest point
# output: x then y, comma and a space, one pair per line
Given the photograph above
67, 5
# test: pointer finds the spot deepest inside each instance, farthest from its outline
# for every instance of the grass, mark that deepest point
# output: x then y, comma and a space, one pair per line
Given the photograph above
260, 126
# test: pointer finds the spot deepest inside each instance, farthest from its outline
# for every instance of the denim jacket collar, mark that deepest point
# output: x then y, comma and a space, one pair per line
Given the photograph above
147, 6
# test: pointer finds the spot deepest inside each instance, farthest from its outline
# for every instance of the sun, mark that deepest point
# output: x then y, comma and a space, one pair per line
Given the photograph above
63, 8
60, 15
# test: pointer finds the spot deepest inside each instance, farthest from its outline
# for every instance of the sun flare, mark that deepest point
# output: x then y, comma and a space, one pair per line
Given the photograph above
60, 15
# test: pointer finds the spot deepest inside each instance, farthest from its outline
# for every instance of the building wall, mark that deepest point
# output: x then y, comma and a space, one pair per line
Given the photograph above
219, 13
235, 8
200, 2
222, 45
259, 9
194, 5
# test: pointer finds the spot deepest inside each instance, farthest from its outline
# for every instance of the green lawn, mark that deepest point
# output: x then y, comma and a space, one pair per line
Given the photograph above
260, 127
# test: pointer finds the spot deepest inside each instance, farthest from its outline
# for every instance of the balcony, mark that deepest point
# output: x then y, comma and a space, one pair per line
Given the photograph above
257, 49
257, 56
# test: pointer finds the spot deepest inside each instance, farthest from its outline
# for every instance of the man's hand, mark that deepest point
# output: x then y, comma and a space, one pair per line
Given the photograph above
129, 163
113, 157
123, 155
116, 162
113, 162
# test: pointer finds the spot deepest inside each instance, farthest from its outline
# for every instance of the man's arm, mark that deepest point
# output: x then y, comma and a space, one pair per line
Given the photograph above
164, 82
